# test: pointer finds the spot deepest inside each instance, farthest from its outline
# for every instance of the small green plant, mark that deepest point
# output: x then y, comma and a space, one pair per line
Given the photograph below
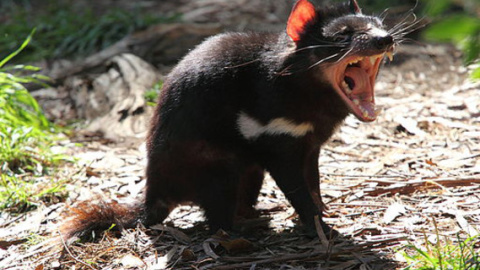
35, 239
151, 95
18, 194
27, 154
444, 254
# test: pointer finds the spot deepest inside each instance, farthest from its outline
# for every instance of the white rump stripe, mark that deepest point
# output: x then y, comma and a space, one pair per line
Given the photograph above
250, 128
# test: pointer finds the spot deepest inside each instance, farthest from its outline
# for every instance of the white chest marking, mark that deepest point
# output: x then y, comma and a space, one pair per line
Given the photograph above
251, 129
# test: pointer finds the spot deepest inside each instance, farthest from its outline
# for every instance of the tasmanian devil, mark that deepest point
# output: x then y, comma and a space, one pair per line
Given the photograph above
241, 104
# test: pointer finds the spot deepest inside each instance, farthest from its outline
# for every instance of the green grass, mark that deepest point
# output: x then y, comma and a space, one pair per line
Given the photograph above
65, 30
19, 194
28, 155
445, 254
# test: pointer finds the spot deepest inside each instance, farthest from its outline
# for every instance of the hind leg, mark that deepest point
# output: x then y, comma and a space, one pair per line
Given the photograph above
218, 195
157, 208
156, 212
248, 191
198, 172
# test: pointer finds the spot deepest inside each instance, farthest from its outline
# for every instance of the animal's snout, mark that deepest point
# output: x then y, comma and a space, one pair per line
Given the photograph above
383, 43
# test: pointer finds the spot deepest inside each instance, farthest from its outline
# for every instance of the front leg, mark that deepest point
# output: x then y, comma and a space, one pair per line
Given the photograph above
312, 176
294, 167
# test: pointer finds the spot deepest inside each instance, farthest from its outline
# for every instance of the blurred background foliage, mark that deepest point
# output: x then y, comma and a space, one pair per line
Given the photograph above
458, 22
72, 29
66, 29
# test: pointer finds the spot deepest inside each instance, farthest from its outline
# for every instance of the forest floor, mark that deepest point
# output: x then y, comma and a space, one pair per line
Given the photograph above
410, 177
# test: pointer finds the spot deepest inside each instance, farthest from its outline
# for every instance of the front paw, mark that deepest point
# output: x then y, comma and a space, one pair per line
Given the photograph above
318, 228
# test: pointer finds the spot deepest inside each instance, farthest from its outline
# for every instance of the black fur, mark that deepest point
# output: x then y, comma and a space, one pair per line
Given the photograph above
196, 152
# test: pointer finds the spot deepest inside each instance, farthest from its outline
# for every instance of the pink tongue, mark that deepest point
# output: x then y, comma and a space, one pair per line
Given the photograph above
363, 90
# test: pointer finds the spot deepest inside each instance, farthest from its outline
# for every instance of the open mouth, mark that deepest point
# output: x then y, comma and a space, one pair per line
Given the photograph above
354, 80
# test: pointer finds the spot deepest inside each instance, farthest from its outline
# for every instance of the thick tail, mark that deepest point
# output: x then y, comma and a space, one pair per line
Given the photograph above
87, 216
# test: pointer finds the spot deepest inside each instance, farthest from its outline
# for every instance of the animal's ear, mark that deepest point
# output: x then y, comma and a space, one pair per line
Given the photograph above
354, 7
302, 13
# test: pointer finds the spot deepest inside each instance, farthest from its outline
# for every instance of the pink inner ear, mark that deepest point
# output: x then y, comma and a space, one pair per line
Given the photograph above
302, 13
355, 7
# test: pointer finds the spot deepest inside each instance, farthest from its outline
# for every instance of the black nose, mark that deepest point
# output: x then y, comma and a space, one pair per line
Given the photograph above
383, 42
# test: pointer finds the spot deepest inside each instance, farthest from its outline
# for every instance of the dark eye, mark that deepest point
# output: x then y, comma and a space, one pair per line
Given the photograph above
341, 38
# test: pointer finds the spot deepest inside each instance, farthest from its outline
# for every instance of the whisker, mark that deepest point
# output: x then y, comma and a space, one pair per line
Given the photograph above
332, 56
316, 46
287, 70
284, 72
410, 40
409, 29
400, 33
345, 55
404, 21
323, 60
242, 64
401, 24
404, 27
316, 38
383, 15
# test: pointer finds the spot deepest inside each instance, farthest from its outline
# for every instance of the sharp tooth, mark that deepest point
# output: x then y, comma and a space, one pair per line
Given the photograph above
373, 59
365, 114
390, 56
354, 61
346, 88
356, 101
